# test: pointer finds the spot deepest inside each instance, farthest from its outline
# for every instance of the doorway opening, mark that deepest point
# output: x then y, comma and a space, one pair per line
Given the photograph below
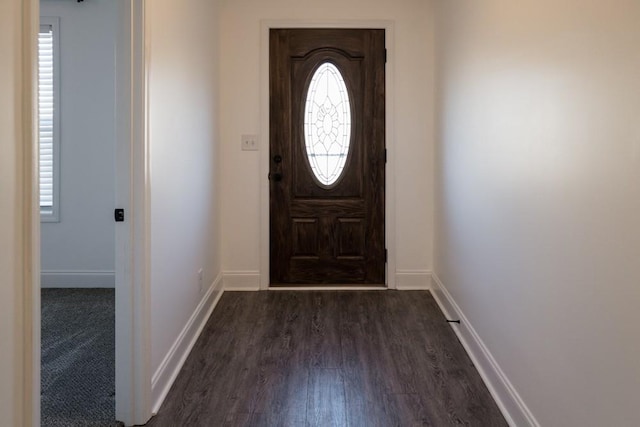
77, 139
126, 276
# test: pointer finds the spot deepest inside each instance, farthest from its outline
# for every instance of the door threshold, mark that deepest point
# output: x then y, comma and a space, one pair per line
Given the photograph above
328, 288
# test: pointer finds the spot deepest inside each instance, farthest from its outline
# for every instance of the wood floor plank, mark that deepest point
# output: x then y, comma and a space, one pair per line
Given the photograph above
359, 392
283, 399
247, 373
323, 334
413, 410
326, 405
237, 420
280, 389
328, 359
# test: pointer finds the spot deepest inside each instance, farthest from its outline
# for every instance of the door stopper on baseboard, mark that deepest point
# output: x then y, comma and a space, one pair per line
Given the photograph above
453, 321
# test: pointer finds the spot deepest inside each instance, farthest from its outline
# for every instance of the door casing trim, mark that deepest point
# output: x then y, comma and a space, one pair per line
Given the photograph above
390, 194
133, 294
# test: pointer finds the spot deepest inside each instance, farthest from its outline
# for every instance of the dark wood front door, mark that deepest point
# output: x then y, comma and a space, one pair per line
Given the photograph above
327, 157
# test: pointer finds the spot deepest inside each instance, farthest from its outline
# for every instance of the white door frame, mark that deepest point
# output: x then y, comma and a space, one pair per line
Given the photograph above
133, 346
29, 349
133, 367
390, 184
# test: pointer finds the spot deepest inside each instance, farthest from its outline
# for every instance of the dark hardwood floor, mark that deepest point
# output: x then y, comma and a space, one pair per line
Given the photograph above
280, 358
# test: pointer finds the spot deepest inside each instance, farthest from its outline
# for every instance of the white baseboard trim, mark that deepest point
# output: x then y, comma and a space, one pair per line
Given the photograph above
303, 288
241, 280
413, 280
250, 281
77, 279
509, 401
172, 363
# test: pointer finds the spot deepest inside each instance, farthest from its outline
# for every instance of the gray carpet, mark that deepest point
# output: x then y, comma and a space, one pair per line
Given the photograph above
78, 357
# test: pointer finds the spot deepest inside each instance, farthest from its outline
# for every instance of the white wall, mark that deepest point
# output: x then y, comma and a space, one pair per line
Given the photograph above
183, 146
240, 95
538, 197
79, 250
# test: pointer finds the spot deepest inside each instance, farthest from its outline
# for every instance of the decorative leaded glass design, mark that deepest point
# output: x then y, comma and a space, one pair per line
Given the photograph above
327, 124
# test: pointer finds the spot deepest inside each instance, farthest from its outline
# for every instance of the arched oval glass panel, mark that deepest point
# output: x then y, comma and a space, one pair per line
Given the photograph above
327, 124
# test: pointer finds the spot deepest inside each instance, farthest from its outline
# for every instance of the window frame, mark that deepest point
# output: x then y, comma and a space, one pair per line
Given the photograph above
52, 214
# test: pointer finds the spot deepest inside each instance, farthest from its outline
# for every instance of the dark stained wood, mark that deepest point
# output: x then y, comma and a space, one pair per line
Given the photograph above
378, 358
327, 235
323, 341
326, 404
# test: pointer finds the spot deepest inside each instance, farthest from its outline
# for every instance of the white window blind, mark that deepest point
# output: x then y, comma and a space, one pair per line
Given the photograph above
48, 119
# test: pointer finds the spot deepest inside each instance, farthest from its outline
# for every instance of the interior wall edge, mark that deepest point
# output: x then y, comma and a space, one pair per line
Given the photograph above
173, 361
504, 393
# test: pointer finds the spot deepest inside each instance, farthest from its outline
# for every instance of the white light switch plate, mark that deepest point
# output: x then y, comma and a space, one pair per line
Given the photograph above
249, 142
